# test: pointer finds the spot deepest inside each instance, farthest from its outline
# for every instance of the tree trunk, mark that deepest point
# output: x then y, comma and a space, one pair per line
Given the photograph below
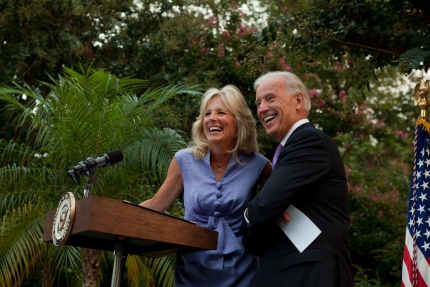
90, 267
46, 277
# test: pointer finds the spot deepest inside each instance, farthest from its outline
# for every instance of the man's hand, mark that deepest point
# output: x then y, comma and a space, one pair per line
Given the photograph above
285, 218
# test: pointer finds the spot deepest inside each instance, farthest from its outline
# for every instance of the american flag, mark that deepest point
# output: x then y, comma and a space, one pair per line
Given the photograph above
416, 255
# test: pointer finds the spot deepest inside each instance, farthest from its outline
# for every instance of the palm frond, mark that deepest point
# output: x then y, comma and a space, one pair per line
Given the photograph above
138, 273
10, 200
26, 176
100, 81
154, 150
11, 152
20, 244
155, 97
67, 262
162, 269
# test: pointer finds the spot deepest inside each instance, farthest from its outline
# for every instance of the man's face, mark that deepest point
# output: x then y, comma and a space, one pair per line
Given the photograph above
275, 109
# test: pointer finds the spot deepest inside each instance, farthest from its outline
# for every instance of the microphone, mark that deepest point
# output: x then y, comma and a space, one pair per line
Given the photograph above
89, 165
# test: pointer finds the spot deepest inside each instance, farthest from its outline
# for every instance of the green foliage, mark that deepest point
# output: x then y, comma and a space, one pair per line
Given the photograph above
20, 233
84, 114
376, 227
391, 32
361, 279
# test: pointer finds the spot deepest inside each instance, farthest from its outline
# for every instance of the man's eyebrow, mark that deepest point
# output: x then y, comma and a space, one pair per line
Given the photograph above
264, 96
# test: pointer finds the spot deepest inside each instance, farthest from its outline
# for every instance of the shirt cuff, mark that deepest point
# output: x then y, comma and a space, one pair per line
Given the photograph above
244, 215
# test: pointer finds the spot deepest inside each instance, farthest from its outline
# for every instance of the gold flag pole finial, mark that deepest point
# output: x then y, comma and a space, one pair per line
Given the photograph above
421, 91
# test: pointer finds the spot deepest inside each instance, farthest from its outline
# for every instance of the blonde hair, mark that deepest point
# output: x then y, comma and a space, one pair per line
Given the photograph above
294, 86
246, 137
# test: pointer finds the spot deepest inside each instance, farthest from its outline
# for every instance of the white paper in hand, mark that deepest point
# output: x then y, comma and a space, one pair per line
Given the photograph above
300, 230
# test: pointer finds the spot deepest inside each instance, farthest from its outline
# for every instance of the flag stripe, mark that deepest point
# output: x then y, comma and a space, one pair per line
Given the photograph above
407, 266
423, 265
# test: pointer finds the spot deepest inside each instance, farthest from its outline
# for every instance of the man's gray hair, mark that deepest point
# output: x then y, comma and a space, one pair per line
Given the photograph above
293, 83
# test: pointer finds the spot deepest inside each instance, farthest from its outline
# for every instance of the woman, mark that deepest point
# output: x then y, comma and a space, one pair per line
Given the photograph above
218, 174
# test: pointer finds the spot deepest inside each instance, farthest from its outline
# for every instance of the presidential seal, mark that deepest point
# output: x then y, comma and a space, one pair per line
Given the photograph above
63, 219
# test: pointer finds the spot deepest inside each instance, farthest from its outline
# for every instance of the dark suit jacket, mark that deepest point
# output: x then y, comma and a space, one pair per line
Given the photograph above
310, 175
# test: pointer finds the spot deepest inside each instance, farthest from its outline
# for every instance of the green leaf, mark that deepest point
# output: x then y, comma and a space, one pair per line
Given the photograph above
284, 30
265, 32
274, 24
274, 35
365, 23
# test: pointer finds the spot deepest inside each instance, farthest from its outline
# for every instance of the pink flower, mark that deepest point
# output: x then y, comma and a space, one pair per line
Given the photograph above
313, 93
380, 213
402, 135
242, 30
211, 21
221, 50
89, 53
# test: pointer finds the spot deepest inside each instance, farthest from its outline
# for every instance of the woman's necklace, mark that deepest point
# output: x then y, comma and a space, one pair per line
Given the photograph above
218, 169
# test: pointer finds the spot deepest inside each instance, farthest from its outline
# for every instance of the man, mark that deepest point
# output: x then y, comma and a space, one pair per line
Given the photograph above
310, 175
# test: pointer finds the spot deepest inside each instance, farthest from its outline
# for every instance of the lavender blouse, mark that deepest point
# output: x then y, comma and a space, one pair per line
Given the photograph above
218, 206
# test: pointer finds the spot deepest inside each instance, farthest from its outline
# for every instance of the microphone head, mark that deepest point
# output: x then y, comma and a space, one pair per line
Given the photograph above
114, 156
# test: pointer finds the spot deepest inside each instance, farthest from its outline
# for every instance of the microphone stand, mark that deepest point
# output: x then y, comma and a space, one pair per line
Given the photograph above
89, 184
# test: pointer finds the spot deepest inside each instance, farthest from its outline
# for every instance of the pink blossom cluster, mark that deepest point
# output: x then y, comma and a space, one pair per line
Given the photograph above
284, 66
402, 134
240, 62
392, 196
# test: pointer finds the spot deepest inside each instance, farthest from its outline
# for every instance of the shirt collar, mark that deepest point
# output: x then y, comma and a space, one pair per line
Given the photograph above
295, 126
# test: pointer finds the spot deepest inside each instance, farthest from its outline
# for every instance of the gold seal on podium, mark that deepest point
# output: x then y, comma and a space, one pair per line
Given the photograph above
63, 219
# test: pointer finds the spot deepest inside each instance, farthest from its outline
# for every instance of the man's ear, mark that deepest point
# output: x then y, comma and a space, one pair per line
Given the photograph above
300, 101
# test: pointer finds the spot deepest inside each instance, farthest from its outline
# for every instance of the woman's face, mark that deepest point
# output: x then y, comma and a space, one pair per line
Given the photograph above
219, 124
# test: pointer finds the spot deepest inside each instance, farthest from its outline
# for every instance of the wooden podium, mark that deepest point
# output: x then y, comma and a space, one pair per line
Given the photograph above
98, 221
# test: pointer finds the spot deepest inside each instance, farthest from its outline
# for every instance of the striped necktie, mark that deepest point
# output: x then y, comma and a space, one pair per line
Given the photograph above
275, 157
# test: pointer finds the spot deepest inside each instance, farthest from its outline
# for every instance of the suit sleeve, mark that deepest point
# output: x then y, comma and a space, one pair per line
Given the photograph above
303, 163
